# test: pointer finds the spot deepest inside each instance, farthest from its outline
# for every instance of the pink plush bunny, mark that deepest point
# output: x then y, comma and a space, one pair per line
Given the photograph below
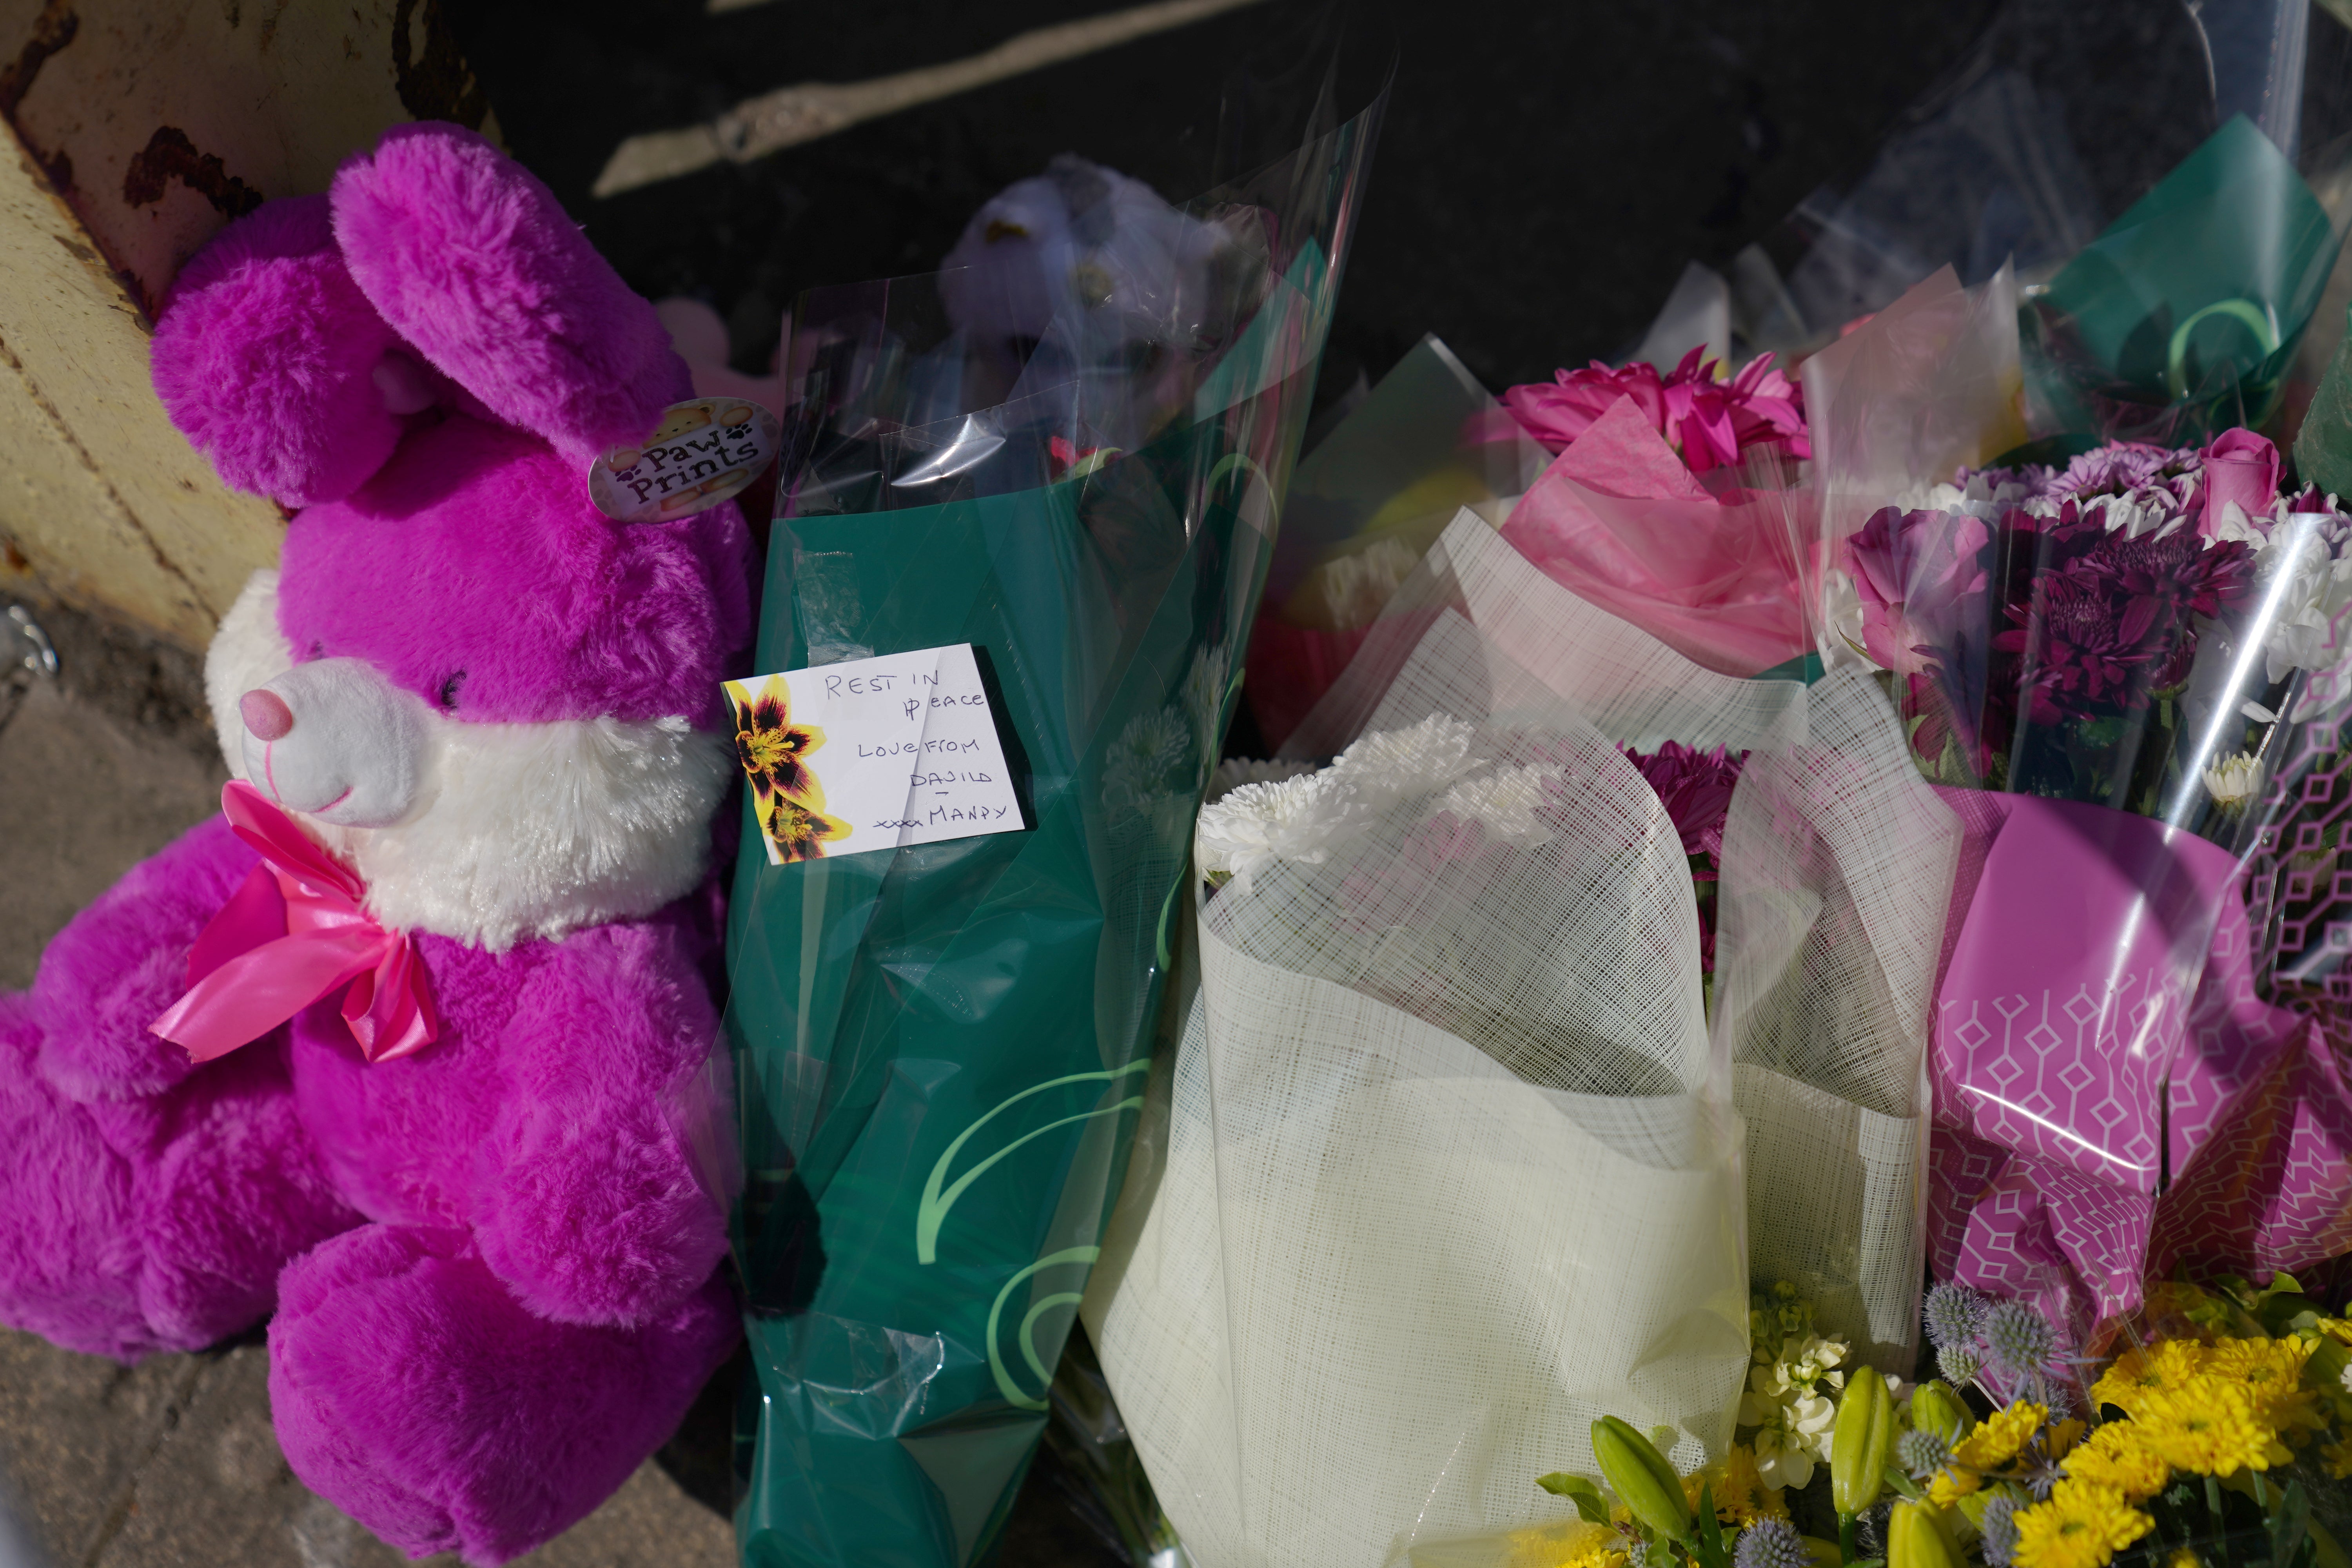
475, 724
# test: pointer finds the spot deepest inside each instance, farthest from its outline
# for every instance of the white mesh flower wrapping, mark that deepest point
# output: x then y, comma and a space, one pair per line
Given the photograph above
1837, 872
1445, 1170
1444, 1166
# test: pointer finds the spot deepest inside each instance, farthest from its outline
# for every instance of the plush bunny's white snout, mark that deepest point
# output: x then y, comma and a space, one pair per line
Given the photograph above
336, 740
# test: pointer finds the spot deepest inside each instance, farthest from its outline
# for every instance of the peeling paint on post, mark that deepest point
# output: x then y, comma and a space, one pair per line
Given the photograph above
135, 130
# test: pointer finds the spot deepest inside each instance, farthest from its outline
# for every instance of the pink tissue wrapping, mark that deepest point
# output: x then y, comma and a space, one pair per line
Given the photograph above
1618, 521
2095, 965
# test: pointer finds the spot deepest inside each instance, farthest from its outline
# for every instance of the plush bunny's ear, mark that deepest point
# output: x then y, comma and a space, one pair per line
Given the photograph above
266, 359
473, 261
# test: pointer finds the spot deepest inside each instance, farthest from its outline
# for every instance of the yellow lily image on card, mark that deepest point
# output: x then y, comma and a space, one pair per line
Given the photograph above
774, 751
910, 754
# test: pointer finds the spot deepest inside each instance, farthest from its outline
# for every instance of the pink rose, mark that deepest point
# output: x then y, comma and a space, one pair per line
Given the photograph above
1919, 575
2240, 466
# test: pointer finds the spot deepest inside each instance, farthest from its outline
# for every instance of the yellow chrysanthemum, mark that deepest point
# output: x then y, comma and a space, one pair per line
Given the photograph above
2167, 1363
2337, 1328
2060, 1440
2209, 1429
1950, 1486
1741, 1498
2118, 1456
2082, 1526
1998, 1438
2272, 1371
1744, 1496
1571, 1543
2337, 1456
2183, 1558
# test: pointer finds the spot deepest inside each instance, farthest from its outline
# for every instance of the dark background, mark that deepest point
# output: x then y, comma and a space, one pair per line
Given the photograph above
1545, 171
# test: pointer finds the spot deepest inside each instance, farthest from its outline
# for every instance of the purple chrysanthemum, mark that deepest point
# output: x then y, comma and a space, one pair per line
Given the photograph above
1696, 787
2077, 647
2119, 468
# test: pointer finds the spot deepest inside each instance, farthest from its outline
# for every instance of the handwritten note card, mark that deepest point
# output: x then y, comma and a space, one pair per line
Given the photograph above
872, 754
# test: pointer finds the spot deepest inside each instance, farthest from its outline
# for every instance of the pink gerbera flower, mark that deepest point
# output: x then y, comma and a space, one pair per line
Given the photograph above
1709, 422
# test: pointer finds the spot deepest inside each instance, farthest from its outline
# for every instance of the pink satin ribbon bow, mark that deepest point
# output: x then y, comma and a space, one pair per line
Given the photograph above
296, 931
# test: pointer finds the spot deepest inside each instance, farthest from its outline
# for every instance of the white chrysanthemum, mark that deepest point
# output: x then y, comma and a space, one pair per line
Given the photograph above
1978, 498
2235, 525
2156, 516
1350, 590
1139, 762
1391, 766
1504, 804
1235, 771
1258, 823
2232, 781
2312, 604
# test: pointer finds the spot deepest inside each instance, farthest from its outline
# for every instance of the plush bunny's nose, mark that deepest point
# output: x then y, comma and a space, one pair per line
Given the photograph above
266, 714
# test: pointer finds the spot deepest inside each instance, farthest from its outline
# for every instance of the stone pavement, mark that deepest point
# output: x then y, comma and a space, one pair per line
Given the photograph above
171, 1463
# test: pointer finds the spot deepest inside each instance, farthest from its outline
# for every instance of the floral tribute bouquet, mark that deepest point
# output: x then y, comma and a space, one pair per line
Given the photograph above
1667, 503
1693, 503
1451, 1096
2113, 669
2217, 1435
1070, 455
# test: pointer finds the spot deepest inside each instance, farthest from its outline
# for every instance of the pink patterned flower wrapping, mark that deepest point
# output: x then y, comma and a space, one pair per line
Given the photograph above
2077, 940
2198, 1116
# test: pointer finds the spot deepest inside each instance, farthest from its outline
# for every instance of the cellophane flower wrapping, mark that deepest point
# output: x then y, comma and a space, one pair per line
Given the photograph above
1701, 561
2123, 675
1449, 1161
2183, 316
1925, 387
2258, 1153
2171, 216
940, 1049
1364, 505
1673, 491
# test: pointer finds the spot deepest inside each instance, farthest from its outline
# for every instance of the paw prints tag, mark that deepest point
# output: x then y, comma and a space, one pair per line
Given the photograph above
705, 450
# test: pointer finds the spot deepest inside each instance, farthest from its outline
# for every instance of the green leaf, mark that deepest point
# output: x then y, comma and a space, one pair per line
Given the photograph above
1589, 1504
1710, 1551
2291, 1525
